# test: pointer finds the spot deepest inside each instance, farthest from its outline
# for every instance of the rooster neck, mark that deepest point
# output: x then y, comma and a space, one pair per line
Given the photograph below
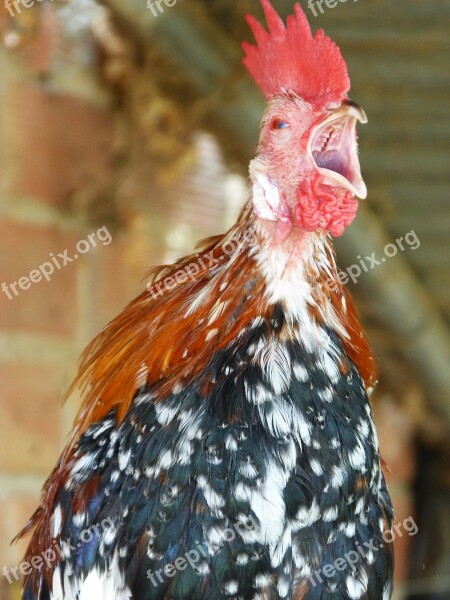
299, 274
169, 336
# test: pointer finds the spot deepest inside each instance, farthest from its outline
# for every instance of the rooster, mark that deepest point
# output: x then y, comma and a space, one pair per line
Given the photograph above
225, 447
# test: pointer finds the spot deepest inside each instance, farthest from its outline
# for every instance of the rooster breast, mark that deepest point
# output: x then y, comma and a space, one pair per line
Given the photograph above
246, 491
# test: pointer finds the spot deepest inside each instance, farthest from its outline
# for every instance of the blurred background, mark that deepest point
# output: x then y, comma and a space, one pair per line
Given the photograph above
129, 126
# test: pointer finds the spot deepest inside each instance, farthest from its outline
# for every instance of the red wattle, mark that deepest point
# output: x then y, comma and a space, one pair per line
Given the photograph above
322, 207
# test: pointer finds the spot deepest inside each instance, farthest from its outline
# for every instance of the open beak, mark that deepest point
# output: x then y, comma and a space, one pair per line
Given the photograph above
333, 148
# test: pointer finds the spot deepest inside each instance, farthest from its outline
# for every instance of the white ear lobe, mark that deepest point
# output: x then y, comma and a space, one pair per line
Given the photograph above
266, 199
266, 196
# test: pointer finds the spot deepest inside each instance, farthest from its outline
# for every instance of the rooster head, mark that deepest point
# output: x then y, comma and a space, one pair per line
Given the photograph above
306, 173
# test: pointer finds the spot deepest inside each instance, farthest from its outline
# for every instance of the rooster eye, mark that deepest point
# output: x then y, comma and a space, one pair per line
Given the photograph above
279, 124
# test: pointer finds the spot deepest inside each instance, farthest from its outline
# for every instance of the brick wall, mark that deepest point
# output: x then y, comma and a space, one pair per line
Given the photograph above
48, 154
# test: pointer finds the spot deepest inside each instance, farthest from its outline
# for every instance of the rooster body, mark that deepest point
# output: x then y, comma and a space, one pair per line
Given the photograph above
225, 447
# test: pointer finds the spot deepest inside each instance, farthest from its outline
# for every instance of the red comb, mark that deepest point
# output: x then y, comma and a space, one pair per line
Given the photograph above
289, 59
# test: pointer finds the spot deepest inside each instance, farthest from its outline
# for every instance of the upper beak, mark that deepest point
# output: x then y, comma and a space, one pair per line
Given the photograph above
333, 148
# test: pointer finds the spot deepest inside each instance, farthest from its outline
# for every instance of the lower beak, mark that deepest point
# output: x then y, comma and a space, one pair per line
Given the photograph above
333, 148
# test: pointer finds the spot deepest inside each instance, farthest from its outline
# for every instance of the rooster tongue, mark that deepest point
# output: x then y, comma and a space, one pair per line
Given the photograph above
334, 149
